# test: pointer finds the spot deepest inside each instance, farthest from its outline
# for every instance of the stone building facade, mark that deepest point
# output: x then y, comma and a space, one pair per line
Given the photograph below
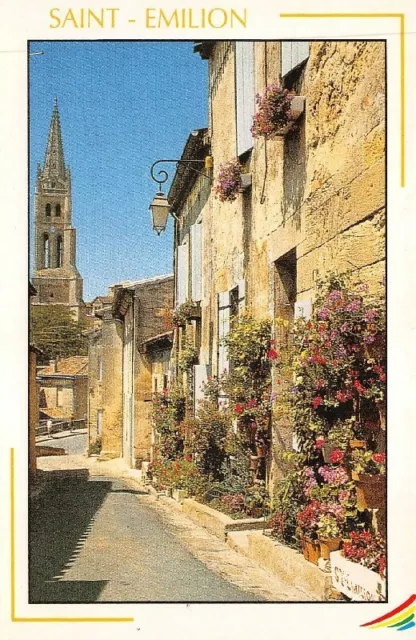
127, 354
56, 277
313, 200
63, 393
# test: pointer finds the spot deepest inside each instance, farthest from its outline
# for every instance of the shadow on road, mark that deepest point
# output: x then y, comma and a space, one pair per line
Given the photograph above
58, 524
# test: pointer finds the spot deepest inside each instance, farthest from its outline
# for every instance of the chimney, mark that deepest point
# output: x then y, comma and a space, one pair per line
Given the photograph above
52, 365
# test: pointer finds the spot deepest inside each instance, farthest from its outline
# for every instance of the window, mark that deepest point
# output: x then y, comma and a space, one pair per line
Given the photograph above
196, 262
293, 54
245, 95
59, 251
181, 273
165, 381
48, 209
46, 251
230, 305
285, 291
58, 210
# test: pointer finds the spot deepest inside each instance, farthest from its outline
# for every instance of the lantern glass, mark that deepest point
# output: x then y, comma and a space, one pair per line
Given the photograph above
160, 211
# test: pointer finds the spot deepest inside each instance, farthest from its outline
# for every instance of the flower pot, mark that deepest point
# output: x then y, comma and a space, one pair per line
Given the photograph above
327, 449
254, 462
327, 545
358, 444
261, 451
371, 491
311, 550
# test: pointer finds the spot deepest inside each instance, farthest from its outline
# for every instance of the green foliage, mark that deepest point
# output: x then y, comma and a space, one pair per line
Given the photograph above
168, 412
56, 333
188, 355
95, 446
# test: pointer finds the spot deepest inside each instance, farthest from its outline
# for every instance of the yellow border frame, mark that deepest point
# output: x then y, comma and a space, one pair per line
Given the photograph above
401, 17
13, 616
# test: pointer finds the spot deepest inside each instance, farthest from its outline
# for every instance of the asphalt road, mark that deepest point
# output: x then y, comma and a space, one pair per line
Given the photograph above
73, 444
101, 541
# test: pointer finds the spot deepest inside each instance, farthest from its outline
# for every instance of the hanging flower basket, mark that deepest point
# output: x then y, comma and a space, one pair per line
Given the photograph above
371, 491
311, 550
228, 182
277, 110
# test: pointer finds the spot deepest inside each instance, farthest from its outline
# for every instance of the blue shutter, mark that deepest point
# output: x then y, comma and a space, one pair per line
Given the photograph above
196, 267
293, 53
244, 60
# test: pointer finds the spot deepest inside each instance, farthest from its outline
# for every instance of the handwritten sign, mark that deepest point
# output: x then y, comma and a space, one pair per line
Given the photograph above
355, 581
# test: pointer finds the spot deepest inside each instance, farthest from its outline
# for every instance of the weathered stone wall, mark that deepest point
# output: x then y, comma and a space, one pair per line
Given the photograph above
112, 342
33, 412
318, 193
95, 400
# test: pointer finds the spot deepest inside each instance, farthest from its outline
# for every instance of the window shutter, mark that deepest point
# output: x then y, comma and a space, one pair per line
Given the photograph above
244, 56
223, 330
181, 273
241, 296
196, 267
293, 53
201, 373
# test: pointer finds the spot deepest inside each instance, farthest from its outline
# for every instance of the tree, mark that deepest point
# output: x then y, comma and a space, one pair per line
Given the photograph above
56, 333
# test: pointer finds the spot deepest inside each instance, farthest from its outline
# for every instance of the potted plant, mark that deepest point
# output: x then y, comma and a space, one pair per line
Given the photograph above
277, 109
367, 549
307, 520
368, 472
329, 533
185, 311
228, 183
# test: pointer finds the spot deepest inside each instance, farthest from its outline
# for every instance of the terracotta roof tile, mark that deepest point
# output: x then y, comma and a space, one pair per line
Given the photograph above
73, 366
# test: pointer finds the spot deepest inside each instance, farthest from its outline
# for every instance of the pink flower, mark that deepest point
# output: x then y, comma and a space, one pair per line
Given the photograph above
319, 443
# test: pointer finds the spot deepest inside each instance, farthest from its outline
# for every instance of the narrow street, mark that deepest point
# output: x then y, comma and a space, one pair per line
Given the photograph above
105, 540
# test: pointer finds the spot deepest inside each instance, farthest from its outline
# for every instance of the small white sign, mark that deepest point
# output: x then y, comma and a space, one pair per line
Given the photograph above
355, 581
303, 309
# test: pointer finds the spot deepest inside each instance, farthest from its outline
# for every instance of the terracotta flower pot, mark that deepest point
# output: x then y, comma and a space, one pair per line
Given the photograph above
327, 545
371, 491
358, 444
311, 550
254, 462
261, 450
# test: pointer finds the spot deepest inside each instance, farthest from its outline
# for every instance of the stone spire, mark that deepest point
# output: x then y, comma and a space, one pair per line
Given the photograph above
54, 166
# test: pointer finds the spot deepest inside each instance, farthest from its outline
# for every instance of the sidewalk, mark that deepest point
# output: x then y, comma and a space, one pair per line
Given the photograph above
61, 434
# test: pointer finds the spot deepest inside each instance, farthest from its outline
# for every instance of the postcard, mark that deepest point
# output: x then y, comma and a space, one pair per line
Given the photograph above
207, 344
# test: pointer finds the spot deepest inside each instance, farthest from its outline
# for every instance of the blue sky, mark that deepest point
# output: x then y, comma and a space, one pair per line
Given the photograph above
123, 105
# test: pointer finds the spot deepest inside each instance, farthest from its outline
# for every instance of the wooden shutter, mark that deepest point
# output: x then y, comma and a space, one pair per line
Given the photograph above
201, 373
196, 267
181, 273
293, 53
244, 56
223, 330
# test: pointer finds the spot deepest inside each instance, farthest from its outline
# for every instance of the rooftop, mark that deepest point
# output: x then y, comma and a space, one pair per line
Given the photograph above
73, 366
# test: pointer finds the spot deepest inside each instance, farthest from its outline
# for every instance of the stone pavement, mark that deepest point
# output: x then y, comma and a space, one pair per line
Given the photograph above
109, 540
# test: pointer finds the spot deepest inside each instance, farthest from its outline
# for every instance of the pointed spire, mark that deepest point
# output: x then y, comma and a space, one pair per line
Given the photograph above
54, 166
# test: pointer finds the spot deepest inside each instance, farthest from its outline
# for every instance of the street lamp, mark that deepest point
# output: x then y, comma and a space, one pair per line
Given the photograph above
160, 207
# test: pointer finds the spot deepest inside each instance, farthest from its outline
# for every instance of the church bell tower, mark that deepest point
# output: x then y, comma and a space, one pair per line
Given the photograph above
56, 277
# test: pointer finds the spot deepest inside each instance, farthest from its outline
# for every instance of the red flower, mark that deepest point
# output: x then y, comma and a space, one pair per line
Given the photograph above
319, 443
359, 387
319, 383
383, 377
379, 458
343, 397
316, 401
336, 456
239, 408
272, 354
